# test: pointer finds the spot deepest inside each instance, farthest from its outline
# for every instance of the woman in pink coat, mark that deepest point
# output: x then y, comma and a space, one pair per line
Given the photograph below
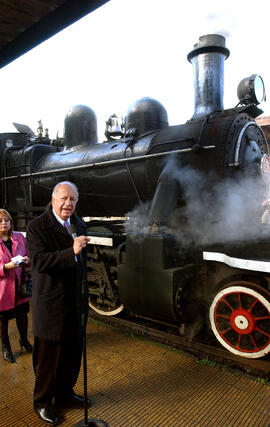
12, 305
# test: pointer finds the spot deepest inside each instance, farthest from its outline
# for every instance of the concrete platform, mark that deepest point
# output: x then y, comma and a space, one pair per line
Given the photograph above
133, 382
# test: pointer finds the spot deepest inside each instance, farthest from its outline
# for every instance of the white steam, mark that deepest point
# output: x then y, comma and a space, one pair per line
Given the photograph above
210, 211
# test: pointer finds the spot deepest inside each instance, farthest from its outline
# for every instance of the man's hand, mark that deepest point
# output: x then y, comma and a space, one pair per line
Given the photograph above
79, 243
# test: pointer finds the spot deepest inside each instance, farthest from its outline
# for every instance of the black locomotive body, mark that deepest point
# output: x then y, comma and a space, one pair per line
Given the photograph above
160, 258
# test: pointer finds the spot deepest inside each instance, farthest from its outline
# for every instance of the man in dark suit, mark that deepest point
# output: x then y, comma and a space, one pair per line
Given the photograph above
56, 302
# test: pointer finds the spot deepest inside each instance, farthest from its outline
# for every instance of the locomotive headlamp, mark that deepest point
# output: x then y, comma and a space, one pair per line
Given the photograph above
251, 90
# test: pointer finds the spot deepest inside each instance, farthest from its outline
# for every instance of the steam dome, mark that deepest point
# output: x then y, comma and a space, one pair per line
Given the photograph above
80, 127
146, 115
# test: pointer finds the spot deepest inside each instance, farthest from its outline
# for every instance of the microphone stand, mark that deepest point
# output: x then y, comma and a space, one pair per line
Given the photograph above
92, 422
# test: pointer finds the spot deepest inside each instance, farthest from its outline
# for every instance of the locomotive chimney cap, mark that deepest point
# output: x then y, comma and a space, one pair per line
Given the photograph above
209, 43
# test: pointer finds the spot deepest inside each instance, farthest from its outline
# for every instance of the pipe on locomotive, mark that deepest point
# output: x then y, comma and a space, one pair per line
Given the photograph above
164, 201
207, 59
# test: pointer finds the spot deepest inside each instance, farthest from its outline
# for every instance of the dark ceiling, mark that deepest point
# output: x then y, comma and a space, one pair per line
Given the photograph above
26, 23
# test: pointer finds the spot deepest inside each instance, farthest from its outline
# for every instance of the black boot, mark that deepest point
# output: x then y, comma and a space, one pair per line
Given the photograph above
22, 325
7, 353
24, 343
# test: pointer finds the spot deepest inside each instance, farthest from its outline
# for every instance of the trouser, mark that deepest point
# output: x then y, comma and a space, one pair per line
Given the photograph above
56, 365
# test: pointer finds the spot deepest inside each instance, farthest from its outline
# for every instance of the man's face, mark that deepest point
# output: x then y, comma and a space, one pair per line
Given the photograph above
64, 202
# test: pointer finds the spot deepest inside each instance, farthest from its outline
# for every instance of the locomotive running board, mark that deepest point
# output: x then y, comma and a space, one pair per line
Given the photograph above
245, 264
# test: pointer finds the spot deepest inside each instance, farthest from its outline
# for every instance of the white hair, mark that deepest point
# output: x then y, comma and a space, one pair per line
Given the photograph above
56, 188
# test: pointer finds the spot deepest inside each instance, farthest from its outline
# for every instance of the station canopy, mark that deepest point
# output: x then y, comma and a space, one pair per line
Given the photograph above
24, 24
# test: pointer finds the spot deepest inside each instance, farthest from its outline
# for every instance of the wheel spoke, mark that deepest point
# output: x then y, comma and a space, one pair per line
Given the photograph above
253, 342
226, 302
239, 342
223, 316
262, 332
261, 318
226, 331
239, 299
252, 305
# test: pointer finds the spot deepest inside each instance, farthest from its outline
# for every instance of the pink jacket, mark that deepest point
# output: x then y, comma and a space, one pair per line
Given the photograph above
7, 278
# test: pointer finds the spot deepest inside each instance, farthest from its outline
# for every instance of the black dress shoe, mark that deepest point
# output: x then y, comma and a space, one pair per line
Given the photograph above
47, 415
94, 422
73, 400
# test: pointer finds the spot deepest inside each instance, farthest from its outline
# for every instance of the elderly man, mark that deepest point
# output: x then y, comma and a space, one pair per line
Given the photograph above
56, 302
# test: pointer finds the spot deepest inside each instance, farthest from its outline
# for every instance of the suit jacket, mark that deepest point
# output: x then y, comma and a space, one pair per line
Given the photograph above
56, 276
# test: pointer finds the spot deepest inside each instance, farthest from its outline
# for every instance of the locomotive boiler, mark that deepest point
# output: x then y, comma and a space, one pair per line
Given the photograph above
177, 235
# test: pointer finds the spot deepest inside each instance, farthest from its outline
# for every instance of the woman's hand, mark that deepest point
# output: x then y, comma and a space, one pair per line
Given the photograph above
25, 259
10, 265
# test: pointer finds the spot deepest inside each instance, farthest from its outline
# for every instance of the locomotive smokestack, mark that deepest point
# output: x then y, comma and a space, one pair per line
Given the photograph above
207, 59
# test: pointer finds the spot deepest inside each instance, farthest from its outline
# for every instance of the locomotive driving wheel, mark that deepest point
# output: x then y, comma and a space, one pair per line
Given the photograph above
103, 301
103, 285
104, 309
240, 319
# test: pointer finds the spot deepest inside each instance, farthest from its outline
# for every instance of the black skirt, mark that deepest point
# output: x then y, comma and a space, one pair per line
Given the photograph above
19, 310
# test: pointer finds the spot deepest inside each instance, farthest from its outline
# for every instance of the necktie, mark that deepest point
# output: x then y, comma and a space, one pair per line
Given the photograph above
66, 225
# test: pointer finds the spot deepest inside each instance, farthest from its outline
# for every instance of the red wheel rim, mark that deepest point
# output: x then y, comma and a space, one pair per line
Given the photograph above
240, 319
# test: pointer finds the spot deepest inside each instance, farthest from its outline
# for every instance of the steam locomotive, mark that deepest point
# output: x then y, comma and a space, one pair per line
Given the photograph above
173, 212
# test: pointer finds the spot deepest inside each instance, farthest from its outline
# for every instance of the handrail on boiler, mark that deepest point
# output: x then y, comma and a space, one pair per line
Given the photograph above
108, 162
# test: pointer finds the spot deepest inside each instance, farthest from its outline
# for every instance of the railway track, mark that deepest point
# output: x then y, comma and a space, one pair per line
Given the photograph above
168, 334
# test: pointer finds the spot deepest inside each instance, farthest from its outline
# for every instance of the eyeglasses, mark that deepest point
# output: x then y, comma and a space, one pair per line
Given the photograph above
4, 220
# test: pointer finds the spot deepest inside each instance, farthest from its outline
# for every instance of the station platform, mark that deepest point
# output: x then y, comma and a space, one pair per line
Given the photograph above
136, 382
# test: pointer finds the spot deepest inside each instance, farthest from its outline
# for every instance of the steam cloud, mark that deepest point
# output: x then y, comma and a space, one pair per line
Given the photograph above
212, 212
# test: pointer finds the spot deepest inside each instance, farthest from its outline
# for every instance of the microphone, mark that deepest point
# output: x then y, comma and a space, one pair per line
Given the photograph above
72, 231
